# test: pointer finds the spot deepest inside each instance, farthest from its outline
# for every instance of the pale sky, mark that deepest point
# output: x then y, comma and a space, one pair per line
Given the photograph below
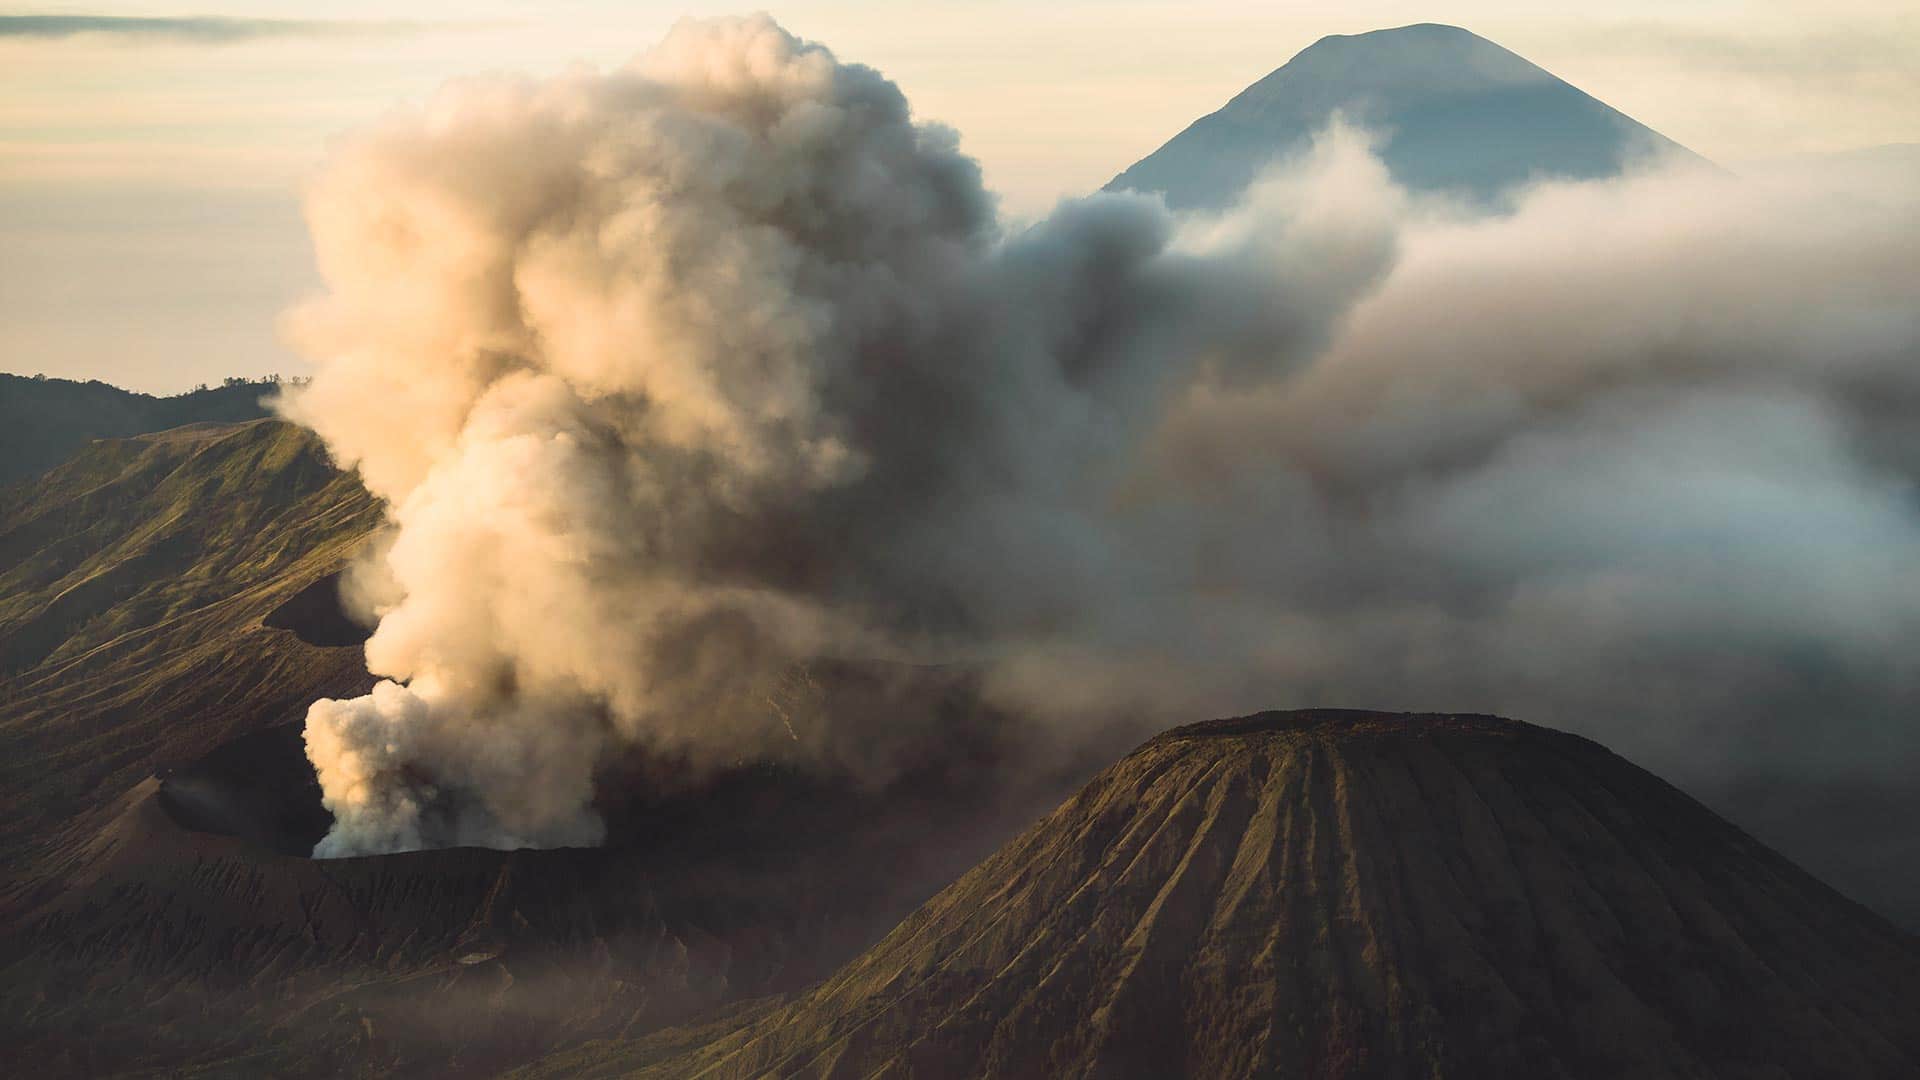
149, 183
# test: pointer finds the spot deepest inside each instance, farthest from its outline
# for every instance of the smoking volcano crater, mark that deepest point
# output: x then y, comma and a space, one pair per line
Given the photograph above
258, 787
715, 884
261, 787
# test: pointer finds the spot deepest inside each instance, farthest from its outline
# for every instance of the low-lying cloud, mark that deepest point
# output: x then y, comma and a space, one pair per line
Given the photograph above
679, 375
191, 29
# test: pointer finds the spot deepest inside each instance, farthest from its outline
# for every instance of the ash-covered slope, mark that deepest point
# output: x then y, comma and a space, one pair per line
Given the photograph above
1335, 894
1455, 112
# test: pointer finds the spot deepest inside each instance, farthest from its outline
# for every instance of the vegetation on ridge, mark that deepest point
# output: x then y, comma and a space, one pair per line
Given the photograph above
44, 421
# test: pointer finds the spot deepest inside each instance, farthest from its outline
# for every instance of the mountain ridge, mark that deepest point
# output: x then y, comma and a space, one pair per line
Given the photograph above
44, 421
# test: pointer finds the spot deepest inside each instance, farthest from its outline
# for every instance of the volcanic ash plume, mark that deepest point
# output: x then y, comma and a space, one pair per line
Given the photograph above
675, 376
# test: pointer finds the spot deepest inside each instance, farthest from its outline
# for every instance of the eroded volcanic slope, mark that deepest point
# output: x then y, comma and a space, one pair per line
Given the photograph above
1330, 894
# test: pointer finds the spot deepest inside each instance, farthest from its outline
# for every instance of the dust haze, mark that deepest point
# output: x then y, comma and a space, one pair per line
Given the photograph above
676, 376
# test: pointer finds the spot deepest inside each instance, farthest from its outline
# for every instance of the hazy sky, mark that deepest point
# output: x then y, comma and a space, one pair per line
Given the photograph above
150, 174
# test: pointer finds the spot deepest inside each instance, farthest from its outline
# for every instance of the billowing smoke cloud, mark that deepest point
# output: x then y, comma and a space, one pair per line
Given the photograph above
676, 376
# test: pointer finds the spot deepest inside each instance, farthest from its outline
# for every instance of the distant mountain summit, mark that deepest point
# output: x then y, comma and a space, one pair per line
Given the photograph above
1456, 113
1347, 894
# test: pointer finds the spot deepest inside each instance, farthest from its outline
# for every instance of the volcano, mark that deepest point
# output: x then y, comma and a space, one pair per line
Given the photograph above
1454, 113
1344, 894
198, 897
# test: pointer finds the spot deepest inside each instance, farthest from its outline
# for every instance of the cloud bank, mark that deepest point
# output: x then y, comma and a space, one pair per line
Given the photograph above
680, 375
195, 29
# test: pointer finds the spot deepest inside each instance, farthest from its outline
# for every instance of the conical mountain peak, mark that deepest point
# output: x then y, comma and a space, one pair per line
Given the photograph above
1339, 894
1454, 113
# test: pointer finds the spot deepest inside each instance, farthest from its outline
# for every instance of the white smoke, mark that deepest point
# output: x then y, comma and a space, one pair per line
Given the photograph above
678, 375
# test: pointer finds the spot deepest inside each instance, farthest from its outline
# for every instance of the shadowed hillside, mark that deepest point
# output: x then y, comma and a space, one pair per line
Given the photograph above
1335, 894
44, 421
